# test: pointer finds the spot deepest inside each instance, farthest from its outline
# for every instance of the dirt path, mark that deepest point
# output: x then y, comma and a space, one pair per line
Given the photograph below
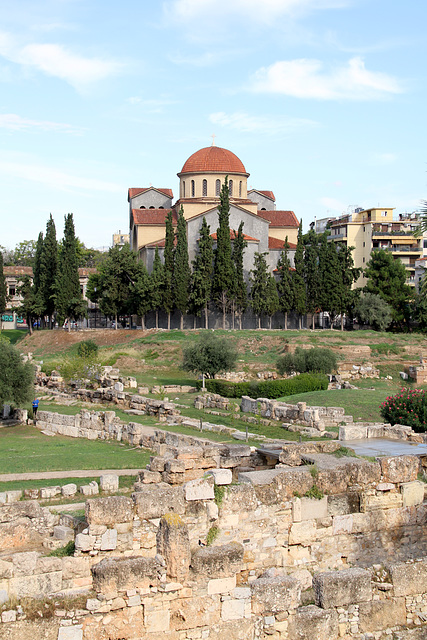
45, 475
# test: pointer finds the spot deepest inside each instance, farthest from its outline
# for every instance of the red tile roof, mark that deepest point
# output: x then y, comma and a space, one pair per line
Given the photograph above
18, 271
135, 191
159, 243
213, 159
233, 235
280, 218
152, 216
267, 194
87, 271
275, 243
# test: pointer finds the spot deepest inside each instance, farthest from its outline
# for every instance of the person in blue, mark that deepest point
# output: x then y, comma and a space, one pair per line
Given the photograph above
35, 407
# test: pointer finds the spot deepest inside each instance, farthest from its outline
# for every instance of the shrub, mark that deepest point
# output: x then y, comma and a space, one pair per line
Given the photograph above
384, 348
87, 349
409, 407
314, 360
209, 355
269, 388
17, 377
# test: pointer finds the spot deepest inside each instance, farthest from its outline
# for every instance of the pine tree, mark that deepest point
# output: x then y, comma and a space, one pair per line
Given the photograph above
48, 271
312, 277
3, 290
181, 272
157, 283
272, 304
387, 278
259, 280
223, 267
140, 301
168, 295
298, 278
69, 301
330, 269
348, 274
240, 294
285, 283
37, 258
201, 278
30, 302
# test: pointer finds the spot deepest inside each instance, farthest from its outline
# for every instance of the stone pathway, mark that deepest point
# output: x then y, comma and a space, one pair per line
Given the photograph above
45, 475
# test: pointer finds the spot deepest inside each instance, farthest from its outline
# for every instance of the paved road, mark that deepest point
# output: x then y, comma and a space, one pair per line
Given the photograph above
45, 475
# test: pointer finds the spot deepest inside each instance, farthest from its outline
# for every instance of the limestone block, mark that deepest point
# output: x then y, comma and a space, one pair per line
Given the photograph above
399, 468
153, 501
109, 482
219, 562
92, 604
60, 532
175, 466
75, 567
109, 511
8, 616
412, 493
109, 540
90, 489
342, 524
119, 386
157, 621
212, 510
274, 595
3, 497
157, 463
378, 615
149, 477
222, 585
25, 563
84, 542
232, 610
382, 501
69, 489
221, 476
4, 596
311, 623
311, 509
173, 543
352, 432
13, 496
115, 574
302, 532
199, 489
6, 569
71, 633
409, 578
338, 588
34, 586
190, 613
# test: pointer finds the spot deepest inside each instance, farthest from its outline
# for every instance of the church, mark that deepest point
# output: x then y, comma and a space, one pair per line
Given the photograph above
200, 180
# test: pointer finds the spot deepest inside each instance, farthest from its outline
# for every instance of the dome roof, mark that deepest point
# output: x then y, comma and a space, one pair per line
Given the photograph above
213, 159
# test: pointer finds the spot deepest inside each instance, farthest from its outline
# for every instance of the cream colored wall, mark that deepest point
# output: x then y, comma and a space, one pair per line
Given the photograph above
147, 234
211, 180
192, 209
375, 214
281, 233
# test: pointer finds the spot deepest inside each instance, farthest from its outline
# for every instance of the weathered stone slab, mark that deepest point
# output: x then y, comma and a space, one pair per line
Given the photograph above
71, 633
173, 543
409, 578
412, 493
219, 562
153, 501
109, 540
380, 501
60, 532
109, 511
109, 482
36, 586
343, 503
378, 615
274, 595
84, 542
302, 532
352, 432
338, 588
311, 509
221, 585
312, 623
200, 489
399, 468
221, 476
190, 613
68, 490
114, 574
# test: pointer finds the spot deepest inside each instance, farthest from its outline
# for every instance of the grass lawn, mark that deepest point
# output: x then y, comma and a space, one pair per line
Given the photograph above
24, 449
125, 482
13, 335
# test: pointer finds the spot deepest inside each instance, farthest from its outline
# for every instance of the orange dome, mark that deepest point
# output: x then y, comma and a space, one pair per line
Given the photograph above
213, 159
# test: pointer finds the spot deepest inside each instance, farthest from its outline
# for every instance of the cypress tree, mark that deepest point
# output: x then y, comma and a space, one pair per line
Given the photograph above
223, 277
201, 278
157, 283
240, 296
168, 297
298, 278
48, 271
181, 272
312, 276
330, 280
272, 303
3, 290
140, 301
259, 280
68, 299
285, 283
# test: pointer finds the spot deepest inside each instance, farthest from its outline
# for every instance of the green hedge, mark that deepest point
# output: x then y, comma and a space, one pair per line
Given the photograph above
269, 388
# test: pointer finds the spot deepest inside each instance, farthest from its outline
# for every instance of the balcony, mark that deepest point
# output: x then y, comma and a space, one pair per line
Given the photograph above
402, 249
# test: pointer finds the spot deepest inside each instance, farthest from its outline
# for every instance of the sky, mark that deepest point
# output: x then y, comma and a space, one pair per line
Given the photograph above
322, 100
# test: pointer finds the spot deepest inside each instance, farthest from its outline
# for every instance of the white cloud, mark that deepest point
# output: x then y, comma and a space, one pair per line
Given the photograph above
55, 60
54, 178
259, 124
14, 122
183, 10
305, 78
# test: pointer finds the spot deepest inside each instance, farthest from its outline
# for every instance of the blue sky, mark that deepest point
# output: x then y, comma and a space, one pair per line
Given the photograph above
322, 100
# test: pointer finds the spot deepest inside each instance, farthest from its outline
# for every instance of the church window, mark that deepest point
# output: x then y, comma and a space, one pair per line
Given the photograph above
151, 207
183, 189
205, 188
193, 188
161, 207
217, 187
142, 207
263, 209
240, 189
230, 187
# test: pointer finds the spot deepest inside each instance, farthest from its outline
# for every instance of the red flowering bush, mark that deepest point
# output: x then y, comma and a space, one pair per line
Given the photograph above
409, 407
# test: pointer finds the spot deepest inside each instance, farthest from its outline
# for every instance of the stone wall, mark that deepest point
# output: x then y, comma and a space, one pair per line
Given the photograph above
359, 431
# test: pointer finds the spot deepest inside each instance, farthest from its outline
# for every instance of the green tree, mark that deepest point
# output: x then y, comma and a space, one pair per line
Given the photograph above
312, 274
386, 277
157, 277
89, 258
373, 310
37, 262
240, 294
209, 355
347, 276
285, 282
17, 379
181, 272
68, 296
30, 307
223, 277
48, 271
201, 277
300, 299
140, 301
3, 290
272, 304
169, 259
259, 280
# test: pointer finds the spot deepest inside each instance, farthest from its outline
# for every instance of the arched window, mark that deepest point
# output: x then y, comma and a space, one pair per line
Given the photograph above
161, 207
230, 187
240, 189
142, 207
263, 209
217, 187
151, 207
183, 189
205, 188
193, 188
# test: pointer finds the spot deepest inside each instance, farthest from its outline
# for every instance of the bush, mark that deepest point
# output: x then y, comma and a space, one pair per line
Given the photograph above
209, 355
87, 349
314, 360
269, 388
385, 349
409, 407
17, 377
